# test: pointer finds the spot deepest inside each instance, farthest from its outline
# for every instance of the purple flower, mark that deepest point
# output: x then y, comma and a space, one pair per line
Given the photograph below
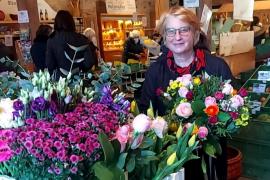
16, 114
243, 92
39, 104
18, 105
52, 108
28, 144
57, 170
219, 95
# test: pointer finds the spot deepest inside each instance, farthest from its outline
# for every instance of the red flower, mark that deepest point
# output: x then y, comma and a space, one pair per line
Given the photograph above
211, 110
213, 120
189, 95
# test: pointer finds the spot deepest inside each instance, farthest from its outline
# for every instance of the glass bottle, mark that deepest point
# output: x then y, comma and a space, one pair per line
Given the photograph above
41, 15
46, 15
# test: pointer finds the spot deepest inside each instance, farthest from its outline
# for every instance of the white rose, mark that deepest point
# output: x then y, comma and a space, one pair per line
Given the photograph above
227, 89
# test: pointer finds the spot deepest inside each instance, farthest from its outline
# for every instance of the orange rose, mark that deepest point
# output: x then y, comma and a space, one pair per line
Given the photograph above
211, 110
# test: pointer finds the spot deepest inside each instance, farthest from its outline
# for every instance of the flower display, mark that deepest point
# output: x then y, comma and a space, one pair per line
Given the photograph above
214, 105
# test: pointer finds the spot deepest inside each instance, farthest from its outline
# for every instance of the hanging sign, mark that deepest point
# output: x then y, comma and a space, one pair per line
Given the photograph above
191, 3
23, 16
120, 6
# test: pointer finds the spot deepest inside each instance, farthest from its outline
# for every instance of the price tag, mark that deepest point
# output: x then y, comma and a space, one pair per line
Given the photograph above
264, 75
255, 106
259, 88
191, 3
23, 16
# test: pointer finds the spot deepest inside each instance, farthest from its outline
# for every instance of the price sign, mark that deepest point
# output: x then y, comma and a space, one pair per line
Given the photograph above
264, 75
259, 88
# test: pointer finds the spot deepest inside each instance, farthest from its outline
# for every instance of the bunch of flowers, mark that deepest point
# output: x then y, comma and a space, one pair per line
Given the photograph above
211, 103
61, 145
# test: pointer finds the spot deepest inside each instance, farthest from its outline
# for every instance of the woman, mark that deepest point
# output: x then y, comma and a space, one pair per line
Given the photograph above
67, 50
132, 47
38, 49
91, 35
185, 54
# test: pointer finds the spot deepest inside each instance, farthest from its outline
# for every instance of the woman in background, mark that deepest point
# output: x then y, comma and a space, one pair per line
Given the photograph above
67, 50
38, 49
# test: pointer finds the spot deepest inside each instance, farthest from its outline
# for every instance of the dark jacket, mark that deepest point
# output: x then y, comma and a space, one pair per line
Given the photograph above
131, 49
58, 50
38, 52
158, 76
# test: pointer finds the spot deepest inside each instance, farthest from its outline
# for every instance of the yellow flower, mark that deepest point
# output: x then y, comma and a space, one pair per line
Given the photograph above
150, 112
133, 106
171, 159
180, 84
179, 131
174, 85
191, 141
197, 81
244, 117
245, 109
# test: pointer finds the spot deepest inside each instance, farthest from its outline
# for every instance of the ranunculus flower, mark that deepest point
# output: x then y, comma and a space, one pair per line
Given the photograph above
227, 89
237, 101
182, 91
203, 132
211, 110
160, 126
212, 119
209, 101
243, 92
219, 95
141, 123
184, 110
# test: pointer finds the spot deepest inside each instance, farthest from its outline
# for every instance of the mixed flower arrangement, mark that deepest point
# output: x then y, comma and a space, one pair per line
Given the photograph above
214, 105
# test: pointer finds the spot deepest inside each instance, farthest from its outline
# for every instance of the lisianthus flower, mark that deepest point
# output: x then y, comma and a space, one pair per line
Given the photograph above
160, 126
141, 123
203, 132
212, 110
227, 89
209, 101
184, 110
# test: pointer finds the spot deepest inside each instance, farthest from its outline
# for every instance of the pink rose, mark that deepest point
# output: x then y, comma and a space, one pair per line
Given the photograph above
237, 101
186, 80
182, 91
184, 110
160, 126
227, 89
203, 131
219, 95
141, 123
210, 101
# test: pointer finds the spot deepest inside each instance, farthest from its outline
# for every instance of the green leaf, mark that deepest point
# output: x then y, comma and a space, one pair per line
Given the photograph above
203, 165
107, 148
122, 160
147, 153
147, 142
223, 117
131, 164
102, 172
210, 149
197, 106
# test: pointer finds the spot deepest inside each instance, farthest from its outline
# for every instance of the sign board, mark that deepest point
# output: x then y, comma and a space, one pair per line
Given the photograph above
120, 6
191, 3
23, 16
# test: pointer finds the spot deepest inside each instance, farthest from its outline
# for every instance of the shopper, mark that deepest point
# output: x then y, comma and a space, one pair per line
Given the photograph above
38, 49
91, 35
133, 48
180, 29
62, 57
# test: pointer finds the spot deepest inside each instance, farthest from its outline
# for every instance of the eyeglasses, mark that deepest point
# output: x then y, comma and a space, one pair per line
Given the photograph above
183, 31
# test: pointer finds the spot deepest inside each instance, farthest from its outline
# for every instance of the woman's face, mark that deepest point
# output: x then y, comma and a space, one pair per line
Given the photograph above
179, 36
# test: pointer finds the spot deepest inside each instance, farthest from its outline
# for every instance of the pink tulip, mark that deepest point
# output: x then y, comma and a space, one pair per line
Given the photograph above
203, 132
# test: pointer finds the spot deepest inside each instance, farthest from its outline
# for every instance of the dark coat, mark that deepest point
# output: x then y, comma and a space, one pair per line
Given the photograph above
158, 75
131, 49
57, 45
38, 52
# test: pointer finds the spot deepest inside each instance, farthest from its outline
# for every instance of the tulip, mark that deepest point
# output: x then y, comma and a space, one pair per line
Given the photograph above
133, 106
191, 141
179, 131
150, 111
171, 159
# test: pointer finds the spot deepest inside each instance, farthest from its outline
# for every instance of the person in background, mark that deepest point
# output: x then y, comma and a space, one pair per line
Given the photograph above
67, 50
38, 49
132, 47
186, 54
91, 35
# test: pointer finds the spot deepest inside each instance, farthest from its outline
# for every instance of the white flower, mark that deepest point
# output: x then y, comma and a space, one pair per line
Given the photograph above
237, 101
160, 126
227, 89
6, 113
183, 91
141, 123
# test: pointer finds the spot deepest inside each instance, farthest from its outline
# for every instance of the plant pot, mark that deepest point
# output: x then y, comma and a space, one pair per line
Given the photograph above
234, 163
180, 175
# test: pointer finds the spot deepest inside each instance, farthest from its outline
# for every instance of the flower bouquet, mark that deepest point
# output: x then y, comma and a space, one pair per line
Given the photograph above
211, 103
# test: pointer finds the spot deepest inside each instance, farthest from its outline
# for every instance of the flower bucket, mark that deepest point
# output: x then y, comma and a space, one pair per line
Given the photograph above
180, 175
234, 163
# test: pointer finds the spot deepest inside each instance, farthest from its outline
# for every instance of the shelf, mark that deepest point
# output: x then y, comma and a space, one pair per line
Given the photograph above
8, 22
113, 49
14, 35
108, 40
